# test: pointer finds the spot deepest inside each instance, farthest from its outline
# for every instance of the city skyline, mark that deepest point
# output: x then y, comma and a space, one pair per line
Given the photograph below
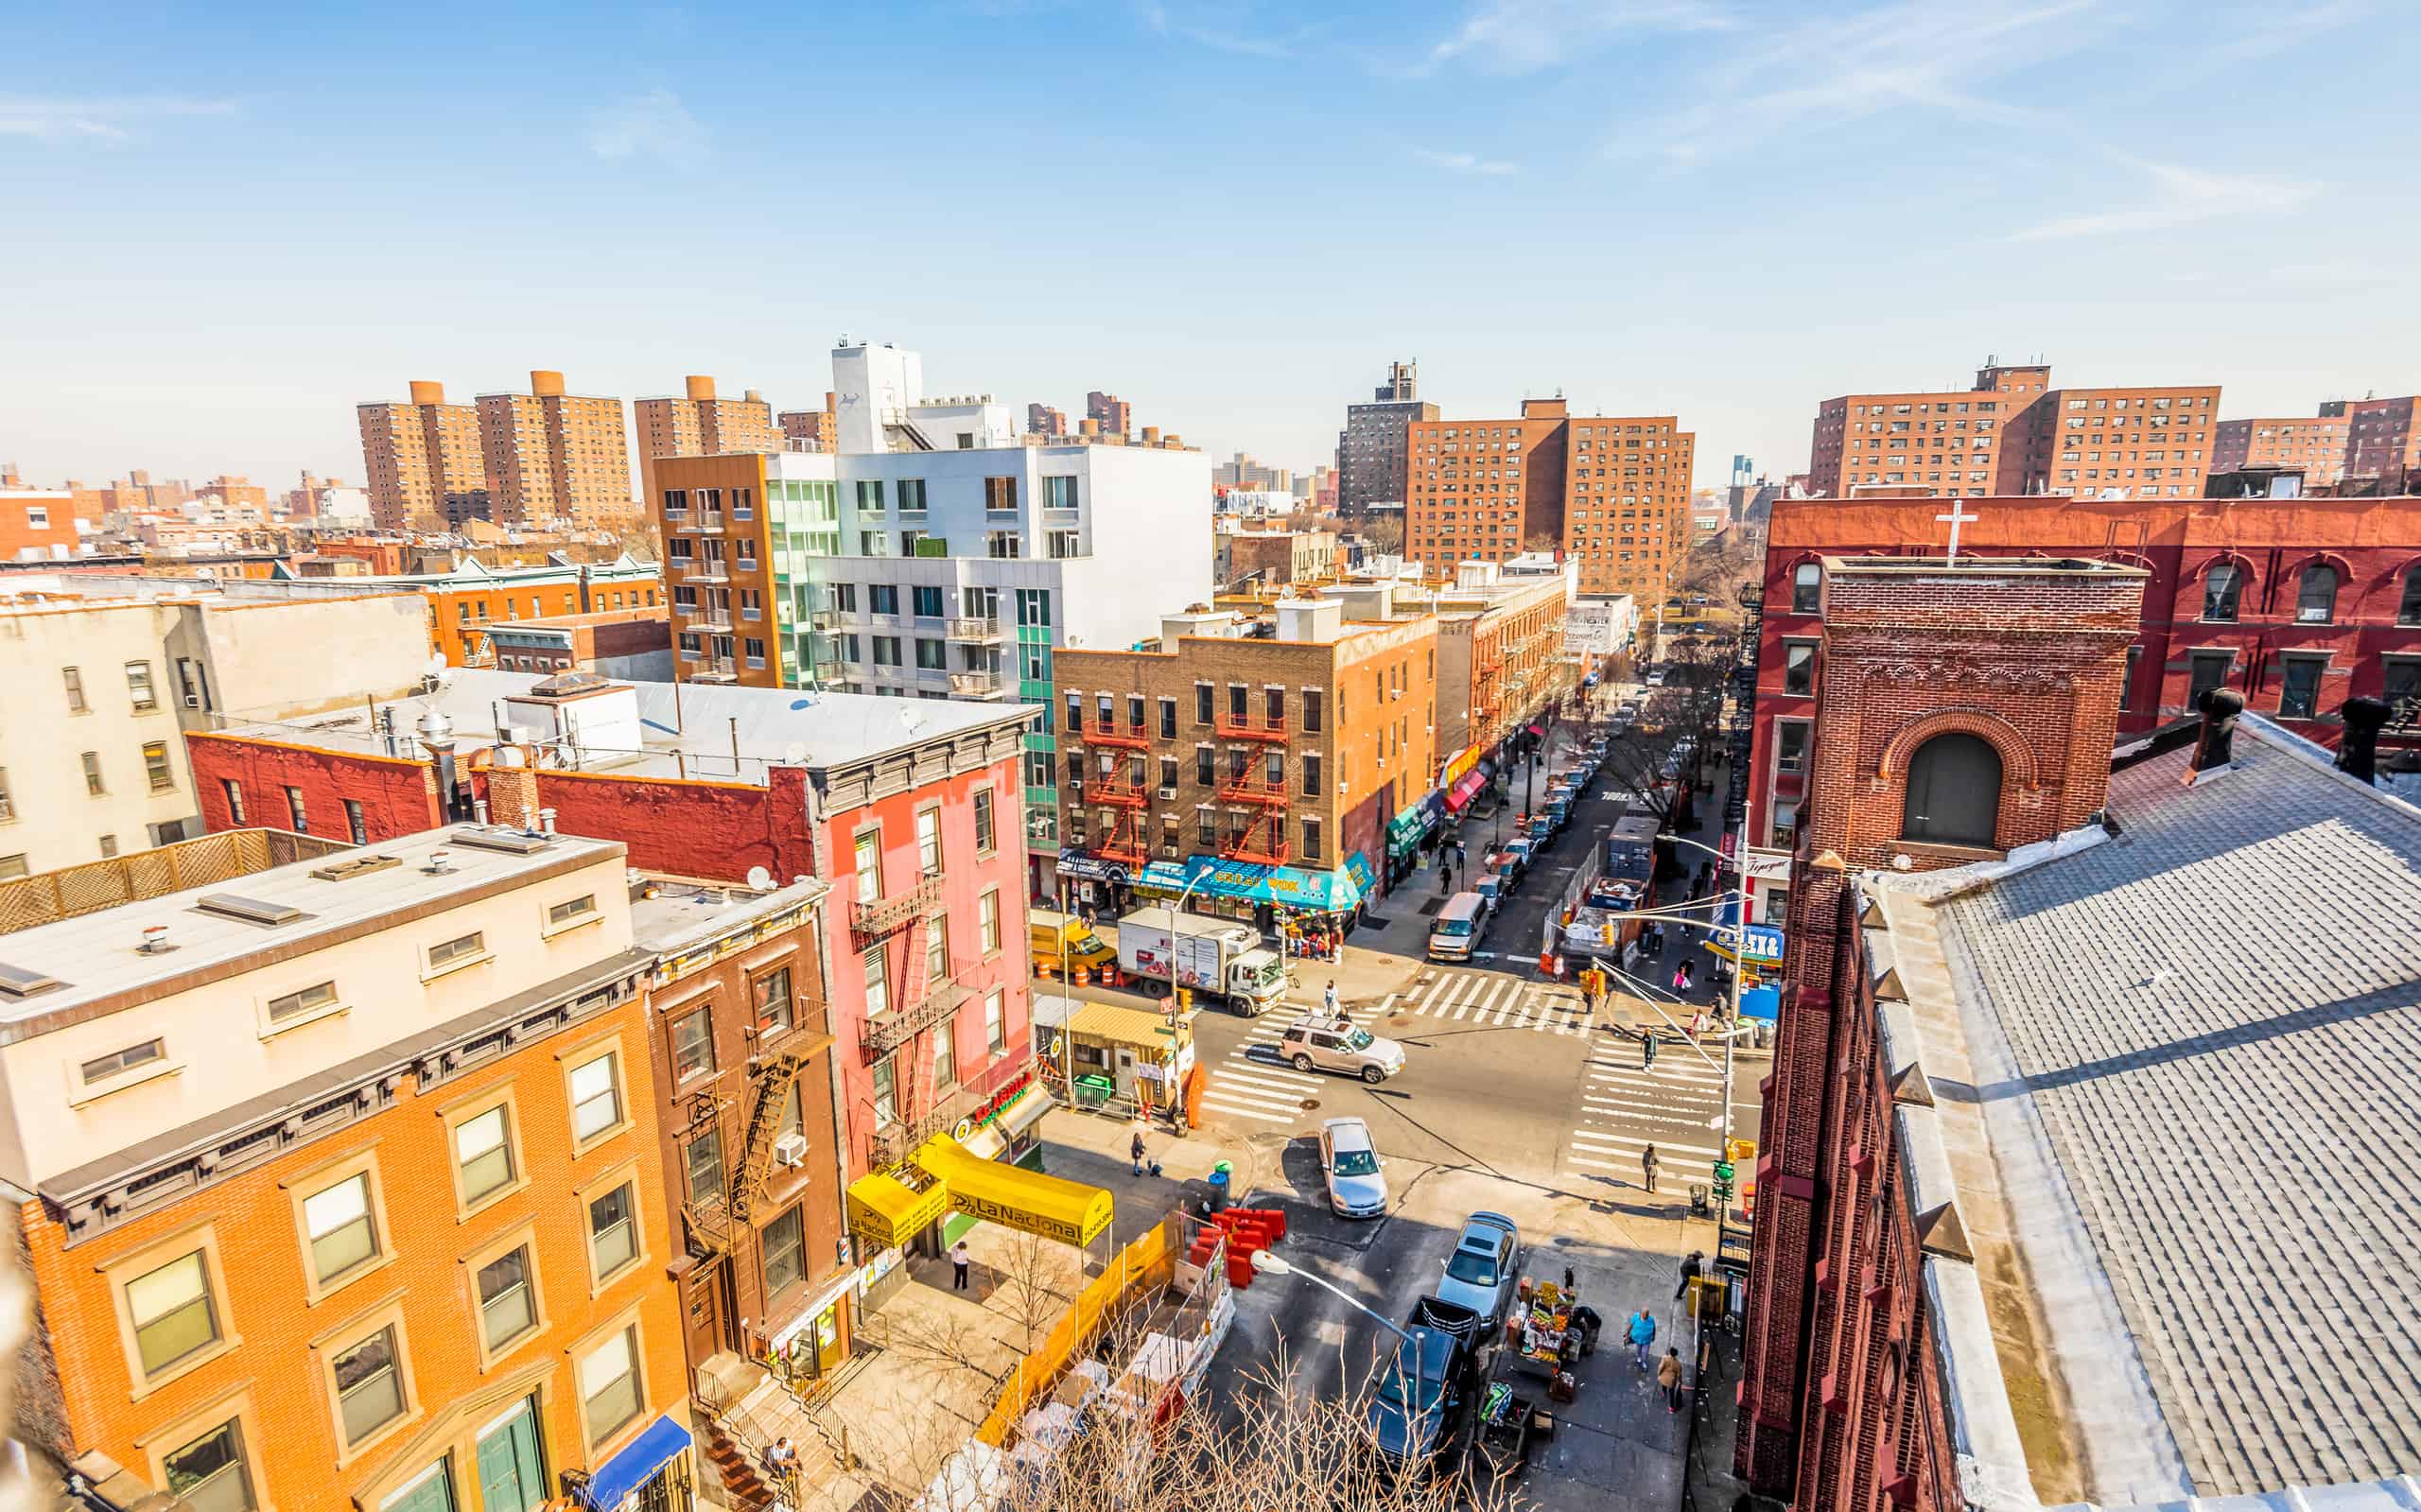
1874, 196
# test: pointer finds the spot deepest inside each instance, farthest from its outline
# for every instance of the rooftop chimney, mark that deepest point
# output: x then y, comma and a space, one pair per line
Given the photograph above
1150, 435
1089, 427
423, 392
546, 384
752, 396
698, 385
2358, 749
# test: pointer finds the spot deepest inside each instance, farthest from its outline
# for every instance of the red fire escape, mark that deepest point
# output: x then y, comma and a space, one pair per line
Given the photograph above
1123, 795
1263, 837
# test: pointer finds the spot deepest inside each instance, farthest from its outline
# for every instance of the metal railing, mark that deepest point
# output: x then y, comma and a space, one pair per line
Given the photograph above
887, 915
975, 684
974, 627
46, 897
942, 997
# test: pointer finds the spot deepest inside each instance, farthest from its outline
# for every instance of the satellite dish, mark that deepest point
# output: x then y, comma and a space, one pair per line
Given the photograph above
794, 754
761, 880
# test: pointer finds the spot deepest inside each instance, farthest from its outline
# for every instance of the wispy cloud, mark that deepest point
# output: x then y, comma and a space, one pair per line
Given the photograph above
1911, 54
656, 124
2268, 29
1525, 36
1223, 27
1466, 163
2177, 197
112, 118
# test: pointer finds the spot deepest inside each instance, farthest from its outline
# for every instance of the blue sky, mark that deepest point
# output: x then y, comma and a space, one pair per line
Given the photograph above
229, 224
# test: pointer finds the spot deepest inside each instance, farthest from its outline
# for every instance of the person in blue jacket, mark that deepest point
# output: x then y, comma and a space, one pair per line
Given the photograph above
1642, 1333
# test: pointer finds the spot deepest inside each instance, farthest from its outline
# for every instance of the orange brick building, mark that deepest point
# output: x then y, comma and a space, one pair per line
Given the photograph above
555, 456
2014, 433
34, 522
423, 458
348, 1187
2314, 443
699, 425
1613, 492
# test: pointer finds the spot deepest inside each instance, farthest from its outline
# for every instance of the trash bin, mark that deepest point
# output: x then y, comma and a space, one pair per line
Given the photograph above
1699, 1193
1220, 1175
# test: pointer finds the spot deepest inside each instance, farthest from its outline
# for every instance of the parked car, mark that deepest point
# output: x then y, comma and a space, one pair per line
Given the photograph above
1316, 1044
1350, 1164
1656, 677
1509, 864
1491, 891
1426, 1389
1481, 1271
1524, 851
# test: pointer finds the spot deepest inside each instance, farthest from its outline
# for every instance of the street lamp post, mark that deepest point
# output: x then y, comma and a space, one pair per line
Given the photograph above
1739, 971
1268, 1264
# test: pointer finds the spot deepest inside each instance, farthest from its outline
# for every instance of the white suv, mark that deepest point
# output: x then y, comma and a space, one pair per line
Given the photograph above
1336, 1045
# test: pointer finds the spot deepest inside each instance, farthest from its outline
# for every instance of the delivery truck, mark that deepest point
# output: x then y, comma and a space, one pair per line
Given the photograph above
1222, 961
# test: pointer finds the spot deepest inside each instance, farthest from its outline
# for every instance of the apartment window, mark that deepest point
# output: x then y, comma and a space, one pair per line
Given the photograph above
1790, 745
118, 1062
1206, 827
2209, 670
884, 598
93, 786
138, 685
886, 1093
1310, 840
75, 680
302, 824
1799, 667
1238, 698
1065, 544
2299, 693
2221, 589
210, 1473
772, 992
1168, 719
936, 948
613, 1232
457, 951
996, 1025
877, 970
702, 1159
508, 1304
870, 496
234, 794
987, 920
610, 1393
369, 1385
1806, 588
173, 1312
693, 1044
869, 852
1310, 774
2407, 608
929, 842
2127, 687
338, 1226
1059, 492
2400, 685
155, 767
1313, 698
985, 839
912, 496
784, 1244
1201, 702
1204, 773
945, 1053
483, 1153
1000, 493
354, 824
596, 1098
886, 650
2316, 595
1004, 546
926, 602
930, 655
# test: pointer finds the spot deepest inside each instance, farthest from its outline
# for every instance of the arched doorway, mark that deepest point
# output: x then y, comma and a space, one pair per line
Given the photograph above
1954, 792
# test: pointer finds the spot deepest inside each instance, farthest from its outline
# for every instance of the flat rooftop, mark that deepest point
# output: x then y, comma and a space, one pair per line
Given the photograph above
704, 730
53, 969
683, 911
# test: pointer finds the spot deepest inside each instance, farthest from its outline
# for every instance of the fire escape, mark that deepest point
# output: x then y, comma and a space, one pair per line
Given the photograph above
917, 999
717, 1218
1249, 786
1122, 838
1487, 700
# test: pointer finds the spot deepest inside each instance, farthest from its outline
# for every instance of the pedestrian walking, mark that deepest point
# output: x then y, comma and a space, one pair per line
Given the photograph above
1328, 1000
1646, 1049
1693, 1266
1642, 1333
1668, 1375
1648, 1163
960, 1257
1135, 1151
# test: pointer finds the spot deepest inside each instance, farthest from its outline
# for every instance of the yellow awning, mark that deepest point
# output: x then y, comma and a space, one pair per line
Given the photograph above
1123, 1026
1053, 1207
889, 1207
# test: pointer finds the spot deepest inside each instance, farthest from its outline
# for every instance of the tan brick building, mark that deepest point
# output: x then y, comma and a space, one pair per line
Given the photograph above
423, 458
2014, 433
551, 454
1271, 558
1290, 742
1611, 491
699, 425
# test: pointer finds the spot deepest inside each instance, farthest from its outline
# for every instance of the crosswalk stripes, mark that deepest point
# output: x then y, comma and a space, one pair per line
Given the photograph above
1676, 1105
1496, 999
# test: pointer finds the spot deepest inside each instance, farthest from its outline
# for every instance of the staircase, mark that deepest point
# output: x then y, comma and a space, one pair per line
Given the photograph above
744, 1488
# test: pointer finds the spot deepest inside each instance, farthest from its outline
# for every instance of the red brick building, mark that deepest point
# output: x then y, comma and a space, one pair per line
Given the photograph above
2313, 445
2297, 603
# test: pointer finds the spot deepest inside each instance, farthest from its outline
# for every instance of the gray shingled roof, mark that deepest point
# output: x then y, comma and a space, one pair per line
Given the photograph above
2218, 1015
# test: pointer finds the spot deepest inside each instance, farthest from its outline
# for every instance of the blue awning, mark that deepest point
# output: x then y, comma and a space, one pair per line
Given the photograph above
1761, 1002
635, 1465
1291, 887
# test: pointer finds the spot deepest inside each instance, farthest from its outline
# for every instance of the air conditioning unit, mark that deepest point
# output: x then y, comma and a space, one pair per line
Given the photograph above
1170, 852
193, 701
791, 1150
1168, 792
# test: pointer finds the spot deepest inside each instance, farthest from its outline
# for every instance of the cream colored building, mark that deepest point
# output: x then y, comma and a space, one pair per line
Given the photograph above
106, 673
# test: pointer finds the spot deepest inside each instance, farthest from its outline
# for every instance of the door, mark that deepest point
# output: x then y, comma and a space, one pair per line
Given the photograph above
702, 1312
511, 1477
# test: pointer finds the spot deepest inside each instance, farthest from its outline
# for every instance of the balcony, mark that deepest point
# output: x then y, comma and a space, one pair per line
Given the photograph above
980, 629
716, 669
1254, 787
888, 915
706, 523
1123, 736
824, 618
1260, 852
709, 620
883, 1035
1115, 793
1231, 726
975, 684
702, 570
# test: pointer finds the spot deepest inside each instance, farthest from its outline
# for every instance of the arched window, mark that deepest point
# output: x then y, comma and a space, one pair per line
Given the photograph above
1954, 792
1807, 586
2316, 597
2408, 609
2220, 590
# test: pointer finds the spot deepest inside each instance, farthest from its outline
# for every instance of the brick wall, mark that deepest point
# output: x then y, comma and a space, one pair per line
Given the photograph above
397, 795
717, 830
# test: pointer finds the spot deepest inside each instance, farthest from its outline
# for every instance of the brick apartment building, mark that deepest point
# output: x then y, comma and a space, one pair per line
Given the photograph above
807, 429
36, 524
466, 599
2014, 433
1613, 492
423, 460
1374, 451
345, 1181
2381, 437
555, 456
1288, 743
1041, 420
1109, 414
2312, 444
2008, 1301
1249, 560
699, 425
612, 642
2297, 603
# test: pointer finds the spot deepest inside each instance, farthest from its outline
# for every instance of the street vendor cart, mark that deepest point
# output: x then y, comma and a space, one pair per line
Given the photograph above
1549, 1330
1108, 1057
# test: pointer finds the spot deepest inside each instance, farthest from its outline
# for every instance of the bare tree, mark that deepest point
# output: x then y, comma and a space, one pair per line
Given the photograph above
1038, 1282
1542, 541
1385, 537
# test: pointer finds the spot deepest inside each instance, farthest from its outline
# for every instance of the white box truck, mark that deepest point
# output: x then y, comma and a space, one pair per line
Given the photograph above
1166, 949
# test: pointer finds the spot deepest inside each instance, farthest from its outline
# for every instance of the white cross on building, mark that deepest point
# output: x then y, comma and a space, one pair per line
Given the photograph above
1956, 518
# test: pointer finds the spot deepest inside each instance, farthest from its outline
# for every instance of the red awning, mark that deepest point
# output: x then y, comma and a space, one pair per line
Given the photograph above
1535, 730
1459, 798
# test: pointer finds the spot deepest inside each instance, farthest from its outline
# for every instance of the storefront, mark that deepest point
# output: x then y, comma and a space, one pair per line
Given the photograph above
1084, 879
1302, 908
917, 1202
650, 1473
816, 1339
1408, 834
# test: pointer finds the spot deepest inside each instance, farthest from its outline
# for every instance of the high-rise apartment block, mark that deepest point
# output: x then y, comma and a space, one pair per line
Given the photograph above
699, 425
1110, 415
1613, 492
1041, 420
555, 456
2312, 444
423, 460
2382, 438
2014, 433
809, 429
1371, 450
